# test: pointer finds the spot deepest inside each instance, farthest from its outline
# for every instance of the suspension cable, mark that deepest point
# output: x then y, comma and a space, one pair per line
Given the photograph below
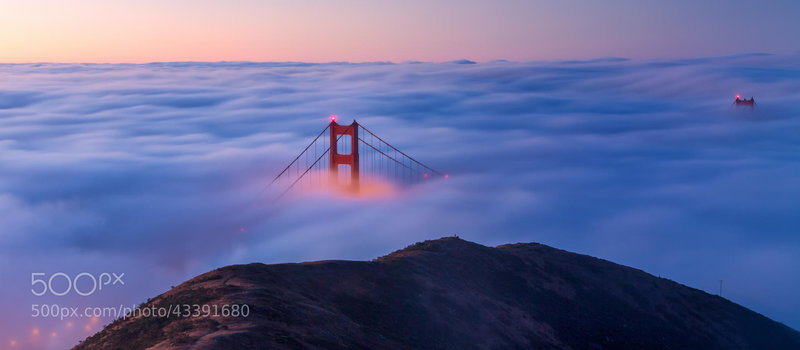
299, 155
401, 152
386, 155
304, 173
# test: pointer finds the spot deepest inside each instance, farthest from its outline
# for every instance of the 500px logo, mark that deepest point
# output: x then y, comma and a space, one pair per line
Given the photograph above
41, 284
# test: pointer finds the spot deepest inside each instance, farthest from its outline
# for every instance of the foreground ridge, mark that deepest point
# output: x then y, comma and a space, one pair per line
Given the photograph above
449, 294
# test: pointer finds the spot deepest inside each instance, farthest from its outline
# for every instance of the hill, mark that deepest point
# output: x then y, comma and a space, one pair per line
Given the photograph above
448, 294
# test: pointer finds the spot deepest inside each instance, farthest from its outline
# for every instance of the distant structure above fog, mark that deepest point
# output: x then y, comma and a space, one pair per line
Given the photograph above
744, 102
377, 163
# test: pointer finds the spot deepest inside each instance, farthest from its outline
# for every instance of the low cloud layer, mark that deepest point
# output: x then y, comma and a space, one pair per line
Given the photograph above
155, 170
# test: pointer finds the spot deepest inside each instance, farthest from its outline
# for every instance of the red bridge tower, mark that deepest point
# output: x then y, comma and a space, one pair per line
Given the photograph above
347, 159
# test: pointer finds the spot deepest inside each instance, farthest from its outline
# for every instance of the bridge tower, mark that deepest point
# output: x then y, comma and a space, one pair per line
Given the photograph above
337, 158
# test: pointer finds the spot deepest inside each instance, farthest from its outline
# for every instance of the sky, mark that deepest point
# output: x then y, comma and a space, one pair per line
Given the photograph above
363, 31
152, 170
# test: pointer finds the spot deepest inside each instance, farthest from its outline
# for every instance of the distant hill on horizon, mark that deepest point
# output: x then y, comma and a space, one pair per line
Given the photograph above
448, 294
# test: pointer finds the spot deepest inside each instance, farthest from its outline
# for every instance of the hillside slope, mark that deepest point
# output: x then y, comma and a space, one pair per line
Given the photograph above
449, 294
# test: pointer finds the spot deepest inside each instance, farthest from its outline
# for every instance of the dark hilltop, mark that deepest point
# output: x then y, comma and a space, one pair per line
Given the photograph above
449, 294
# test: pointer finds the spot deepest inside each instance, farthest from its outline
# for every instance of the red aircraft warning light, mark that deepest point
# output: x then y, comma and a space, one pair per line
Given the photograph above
333, 117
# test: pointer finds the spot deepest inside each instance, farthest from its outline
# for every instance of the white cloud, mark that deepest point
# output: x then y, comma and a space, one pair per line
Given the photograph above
640, 162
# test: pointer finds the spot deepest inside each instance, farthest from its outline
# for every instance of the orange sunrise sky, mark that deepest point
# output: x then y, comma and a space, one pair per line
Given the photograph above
350, 30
